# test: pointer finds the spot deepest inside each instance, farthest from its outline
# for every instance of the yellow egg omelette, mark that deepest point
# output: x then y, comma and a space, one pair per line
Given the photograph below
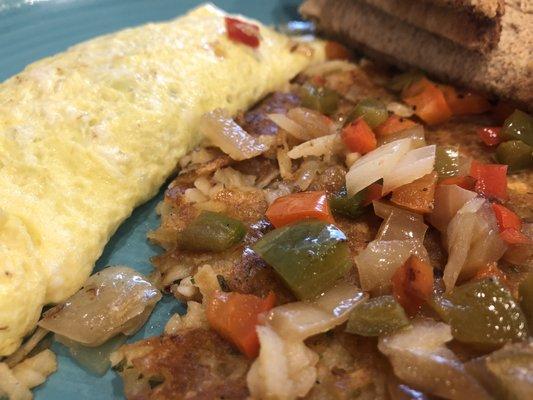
88, 134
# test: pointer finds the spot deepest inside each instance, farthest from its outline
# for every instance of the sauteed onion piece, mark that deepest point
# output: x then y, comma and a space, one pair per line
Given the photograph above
115, 300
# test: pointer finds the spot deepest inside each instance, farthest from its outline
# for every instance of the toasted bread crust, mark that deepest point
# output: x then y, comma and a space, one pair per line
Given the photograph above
506, 71
459, 22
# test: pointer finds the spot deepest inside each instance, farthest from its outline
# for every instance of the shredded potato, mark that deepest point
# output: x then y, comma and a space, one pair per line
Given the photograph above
194, 319
27, 347
15, 383
284, 369
206, 280
233, 179
11, 387
33, 371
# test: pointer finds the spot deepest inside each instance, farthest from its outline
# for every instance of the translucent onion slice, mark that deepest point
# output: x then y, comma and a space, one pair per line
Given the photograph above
381, 258
303, 319
399, 224
224, 133
416, 134
314, 123
289, 126
420, 358
93, 359
413, 165
321, 146
307, 172
328, 67
115, 300
472, 241
400, 109
375, 165
448, 200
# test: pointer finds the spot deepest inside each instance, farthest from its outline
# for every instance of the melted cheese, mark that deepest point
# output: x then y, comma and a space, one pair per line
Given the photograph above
87, 135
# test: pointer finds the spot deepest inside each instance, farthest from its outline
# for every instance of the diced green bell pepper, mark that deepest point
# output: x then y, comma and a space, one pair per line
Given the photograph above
211, 231
372, 111
516, 154
447, 161
310, 256
526, 299
401, 81
505, 373
484, 314
320, 99
378, 316
518, 126
347, 206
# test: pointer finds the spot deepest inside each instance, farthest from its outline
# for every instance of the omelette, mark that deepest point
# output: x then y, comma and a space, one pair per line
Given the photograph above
89, 134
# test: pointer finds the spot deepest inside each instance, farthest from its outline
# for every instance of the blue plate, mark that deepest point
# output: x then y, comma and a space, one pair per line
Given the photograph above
32, 29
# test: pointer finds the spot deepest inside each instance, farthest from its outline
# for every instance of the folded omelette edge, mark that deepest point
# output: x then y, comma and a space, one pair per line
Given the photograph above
89, 134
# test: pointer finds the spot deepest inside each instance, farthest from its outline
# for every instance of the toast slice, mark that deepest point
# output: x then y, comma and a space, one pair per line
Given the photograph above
473, 24
506, 71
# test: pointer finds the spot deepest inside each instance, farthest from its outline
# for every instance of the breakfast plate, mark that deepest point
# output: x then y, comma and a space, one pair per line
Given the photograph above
33, 29
194, 204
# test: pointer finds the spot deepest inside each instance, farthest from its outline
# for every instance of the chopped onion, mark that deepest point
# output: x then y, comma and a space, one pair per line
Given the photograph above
448, 200
307, 172
115, 300
284, 162
413, 165
320, 146
375, 165
420, 358
278, 189
314, 123
93, 359
400, 109
289, 126
472, 240
381, 258
399, 224
303, 319
416, 134
223, 132
400, 235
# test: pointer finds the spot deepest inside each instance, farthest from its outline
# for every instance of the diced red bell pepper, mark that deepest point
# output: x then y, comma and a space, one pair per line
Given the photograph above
491, 180
372, 192
490, 135
358, 137
428, 102
465, 182
298, 206
412, 284
243, 32
465, 103
514, 236
394, 124
506, 218
234, 316
510, 225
